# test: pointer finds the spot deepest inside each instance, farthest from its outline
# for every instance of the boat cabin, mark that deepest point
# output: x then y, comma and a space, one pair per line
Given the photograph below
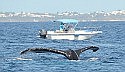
67, 25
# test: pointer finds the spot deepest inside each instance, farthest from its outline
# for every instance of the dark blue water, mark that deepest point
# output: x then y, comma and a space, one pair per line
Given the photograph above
15, 37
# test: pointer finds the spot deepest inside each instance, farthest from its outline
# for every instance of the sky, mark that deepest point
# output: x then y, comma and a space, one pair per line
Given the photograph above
54, 6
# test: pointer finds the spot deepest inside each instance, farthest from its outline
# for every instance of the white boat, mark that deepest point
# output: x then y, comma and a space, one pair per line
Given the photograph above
67, 31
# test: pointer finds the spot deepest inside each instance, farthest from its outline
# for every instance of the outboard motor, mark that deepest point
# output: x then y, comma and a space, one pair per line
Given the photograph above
43, 33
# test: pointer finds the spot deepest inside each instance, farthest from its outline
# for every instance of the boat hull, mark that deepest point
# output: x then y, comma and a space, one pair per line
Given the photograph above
69, 37
76, 35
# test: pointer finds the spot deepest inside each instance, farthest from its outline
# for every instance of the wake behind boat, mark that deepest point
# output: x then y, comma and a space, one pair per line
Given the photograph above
68, 31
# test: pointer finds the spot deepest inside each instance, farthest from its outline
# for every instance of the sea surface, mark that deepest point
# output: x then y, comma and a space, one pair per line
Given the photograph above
18, 36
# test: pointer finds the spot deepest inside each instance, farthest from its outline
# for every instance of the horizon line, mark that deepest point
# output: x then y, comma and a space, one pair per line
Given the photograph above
57, 12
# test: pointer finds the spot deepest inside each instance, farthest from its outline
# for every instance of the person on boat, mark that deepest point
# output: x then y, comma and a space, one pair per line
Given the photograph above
61, 26
65, 27
70, 28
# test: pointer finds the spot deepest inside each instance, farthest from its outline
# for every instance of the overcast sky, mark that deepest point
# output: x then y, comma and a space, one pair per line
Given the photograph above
53, 6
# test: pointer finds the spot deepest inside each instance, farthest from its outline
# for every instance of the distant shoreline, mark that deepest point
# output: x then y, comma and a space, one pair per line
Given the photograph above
79, 21
46, 17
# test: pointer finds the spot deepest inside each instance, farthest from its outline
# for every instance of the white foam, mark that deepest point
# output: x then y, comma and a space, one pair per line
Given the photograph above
22, 59
37, 36
93, 59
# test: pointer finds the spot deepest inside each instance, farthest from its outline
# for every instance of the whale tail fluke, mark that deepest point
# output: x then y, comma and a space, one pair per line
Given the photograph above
93, 48
23, 52
43, 50
70, 54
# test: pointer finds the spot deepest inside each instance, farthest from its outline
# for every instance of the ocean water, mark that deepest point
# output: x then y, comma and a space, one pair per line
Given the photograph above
18, 36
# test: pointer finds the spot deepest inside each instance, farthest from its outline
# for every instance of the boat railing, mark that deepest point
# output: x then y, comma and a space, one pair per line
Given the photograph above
88, 28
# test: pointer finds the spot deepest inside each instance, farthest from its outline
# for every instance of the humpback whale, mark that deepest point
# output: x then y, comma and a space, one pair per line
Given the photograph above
69, 54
